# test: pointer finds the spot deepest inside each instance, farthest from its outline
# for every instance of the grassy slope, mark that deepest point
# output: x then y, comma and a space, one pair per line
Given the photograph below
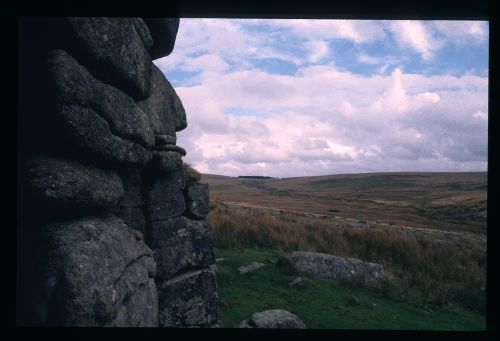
322, 303
447, 201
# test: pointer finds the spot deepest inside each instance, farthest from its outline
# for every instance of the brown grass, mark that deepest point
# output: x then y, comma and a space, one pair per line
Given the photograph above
437, 272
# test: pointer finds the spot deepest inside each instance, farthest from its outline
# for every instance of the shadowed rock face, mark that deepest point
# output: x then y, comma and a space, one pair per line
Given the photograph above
110, 231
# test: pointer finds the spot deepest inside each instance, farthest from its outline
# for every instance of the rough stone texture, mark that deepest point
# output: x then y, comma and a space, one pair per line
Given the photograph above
132, 183
104, 120
113, 49
165, 200
167, 162
143, 31
132, 216
98, 121
250, 267
180, 244
273, 318
163, 140
189, 299
349, 269
198, 203
164, 107
164, 32
58, 183
98, 272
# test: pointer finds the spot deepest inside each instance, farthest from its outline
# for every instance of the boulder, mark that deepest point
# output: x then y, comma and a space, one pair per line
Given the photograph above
179, 244
97, 272
99, 119
114, 50
197, 200
60, 184
75, 85
164, 107
188, 300
143, 31
167, 162
165, 200
348, 269
164, 32
132, 216
163, 140
273, 318
250, 267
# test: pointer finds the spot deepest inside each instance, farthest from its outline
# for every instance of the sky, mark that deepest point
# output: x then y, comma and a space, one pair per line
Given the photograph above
293, 97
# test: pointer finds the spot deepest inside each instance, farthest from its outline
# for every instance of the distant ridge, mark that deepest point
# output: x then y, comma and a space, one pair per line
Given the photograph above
254, 177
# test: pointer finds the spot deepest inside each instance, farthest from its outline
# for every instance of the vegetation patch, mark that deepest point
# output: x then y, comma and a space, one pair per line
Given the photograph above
322, 303
421, 270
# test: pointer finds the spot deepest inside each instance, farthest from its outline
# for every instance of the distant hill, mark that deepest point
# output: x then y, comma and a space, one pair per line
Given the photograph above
455, 201
254, 177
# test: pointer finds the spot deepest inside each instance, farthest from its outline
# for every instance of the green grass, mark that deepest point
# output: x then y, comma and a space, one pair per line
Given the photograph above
322, 303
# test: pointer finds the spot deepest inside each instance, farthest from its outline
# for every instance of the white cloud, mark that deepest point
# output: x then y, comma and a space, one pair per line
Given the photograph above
331, 122
481, 115
461, 32
364, 58
415, 34
322, 119
358, 31
319, 49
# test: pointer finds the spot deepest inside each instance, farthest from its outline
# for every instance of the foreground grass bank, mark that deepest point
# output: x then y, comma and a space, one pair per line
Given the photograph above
423, 270
322, 303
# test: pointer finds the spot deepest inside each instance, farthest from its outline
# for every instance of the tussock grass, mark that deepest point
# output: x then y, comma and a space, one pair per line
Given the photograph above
418, 268
192, 174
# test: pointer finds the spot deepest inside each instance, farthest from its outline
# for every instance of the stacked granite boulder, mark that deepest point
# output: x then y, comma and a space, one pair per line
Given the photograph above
112, 231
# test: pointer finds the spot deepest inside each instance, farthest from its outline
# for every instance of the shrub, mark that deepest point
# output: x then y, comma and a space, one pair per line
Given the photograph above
285, 264
192, 174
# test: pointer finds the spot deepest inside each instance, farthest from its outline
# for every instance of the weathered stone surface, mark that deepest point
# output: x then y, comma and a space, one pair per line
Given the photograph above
165, 200
164, 107
171, 148
114, 51
98, 272
75, 85
167, 162
90, 135
163, 140
99, 118
132, 216
250, 267
180, 244
197, 196
132, 183
164, 32
273, 318
61, 183
329, 266
143, 32
188, 300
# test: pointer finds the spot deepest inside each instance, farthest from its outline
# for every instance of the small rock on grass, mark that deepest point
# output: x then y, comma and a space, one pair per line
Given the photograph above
251, 267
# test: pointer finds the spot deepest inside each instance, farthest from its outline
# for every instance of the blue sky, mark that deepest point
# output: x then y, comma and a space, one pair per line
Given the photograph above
288, 97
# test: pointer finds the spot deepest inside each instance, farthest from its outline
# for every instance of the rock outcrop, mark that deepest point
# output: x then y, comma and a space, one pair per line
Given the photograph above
273, 318
111, 229
341, 268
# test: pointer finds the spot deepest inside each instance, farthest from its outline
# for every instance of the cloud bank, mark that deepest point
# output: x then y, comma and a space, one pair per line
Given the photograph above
311, 97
